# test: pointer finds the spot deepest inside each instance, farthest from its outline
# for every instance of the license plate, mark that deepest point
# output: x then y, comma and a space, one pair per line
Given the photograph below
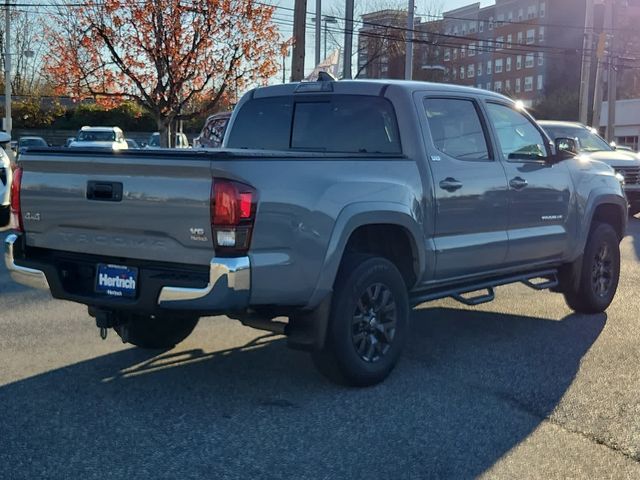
116, 280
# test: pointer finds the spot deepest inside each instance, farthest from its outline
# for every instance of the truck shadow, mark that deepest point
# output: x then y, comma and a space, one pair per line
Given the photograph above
471, 387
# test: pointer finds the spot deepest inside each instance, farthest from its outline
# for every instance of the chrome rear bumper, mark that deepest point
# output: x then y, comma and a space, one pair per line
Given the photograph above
25, 276
229, 286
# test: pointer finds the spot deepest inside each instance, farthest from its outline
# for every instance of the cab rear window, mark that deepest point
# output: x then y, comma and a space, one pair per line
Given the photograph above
337, 124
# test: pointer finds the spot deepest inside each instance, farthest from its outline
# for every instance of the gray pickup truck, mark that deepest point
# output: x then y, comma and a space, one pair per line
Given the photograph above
332, 210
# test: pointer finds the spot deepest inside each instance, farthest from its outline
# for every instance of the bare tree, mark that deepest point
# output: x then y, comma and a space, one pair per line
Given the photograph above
27, 48
381, 28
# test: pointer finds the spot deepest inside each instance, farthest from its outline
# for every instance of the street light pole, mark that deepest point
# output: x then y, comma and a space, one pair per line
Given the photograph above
318, 20
348, 39
327, 19
7, 70
585, 74
408, 61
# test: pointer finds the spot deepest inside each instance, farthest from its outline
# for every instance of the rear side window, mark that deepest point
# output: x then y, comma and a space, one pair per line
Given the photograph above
339, 124
456, 128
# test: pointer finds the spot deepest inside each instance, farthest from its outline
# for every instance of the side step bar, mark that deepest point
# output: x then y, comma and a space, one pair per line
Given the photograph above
540, 280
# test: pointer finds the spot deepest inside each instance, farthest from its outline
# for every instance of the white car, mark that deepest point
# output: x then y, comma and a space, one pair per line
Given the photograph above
180, 141
5, 182
104, 137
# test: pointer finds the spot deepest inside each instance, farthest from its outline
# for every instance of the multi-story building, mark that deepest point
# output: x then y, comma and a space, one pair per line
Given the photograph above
523, 48
381, 45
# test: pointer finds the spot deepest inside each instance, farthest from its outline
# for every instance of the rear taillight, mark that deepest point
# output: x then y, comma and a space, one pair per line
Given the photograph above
16, 216
233, 211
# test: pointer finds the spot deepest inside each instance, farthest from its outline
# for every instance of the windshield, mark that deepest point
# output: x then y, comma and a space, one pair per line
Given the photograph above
588, 140
96, 136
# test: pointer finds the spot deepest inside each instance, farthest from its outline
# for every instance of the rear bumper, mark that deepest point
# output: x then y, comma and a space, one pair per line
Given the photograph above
30, 277
222, 287
229, 285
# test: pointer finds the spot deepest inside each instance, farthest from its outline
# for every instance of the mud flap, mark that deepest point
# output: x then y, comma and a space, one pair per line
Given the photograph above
308, 330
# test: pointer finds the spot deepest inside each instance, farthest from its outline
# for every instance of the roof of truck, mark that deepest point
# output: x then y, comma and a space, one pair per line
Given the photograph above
368, 87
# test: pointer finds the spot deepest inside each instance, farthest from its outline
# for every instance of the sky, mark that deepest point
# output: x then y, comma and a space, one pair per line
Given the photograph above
284, 17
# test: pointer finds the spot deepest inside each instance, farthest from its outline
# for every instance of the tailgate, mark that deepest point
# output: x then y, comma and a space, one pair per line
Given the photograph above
146, 206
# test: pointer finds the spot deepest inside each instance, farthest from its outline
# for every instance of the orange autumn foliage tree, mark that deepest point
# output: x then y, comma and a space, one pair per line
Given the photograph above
175, 58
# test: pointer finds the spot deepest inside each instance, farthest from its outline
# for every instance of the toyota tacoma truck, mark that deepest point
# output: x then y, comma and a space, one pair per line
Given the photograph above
333, 208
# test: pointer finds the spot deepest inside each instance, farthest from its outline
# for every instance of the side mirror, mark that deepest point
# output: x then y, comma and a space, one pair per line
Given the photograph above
566, 148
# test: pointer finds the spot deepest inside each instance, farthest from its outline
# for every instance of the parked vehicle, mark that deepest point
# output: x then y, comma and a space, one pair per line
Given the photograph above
338, 205
5, 182
213, 131
131, 143
69, 141
624, 148
100, 137
180, 141
590, 144
24, 142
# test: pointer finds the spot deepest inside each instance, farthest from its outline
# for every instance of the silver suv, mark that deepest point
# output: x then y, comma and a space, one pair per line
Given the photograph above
592, 145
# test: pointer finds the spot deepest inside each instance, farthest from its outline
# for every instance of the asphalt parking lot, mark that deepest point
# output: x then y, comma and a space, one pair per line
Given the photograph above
519, 388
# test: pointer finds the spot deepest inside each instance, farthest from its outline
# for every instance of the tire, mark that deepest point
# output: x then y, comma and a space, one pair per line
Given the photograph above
600, 272
363, 343
156, 332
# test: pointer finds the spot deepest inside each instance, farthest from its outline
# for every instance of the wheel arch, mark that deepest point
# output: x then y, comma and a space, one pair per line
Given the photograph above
364, 219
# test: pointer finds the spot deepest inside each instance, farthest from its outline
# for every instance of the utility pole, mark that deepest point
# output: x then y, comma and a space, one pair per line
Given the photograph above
612, 96
318, 30
600, 54
284, 68
7, 69
408, 61
348, 39
585, 75
299, 23
612, 82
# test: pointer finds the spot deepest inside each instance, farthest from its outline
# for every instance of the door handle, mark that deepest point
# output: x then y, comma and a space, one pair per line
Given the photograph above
450, 184
518, 183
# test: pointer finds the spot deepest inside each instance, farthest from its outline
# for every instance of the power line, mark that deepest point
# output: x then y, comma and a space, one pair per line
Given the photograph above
443, 40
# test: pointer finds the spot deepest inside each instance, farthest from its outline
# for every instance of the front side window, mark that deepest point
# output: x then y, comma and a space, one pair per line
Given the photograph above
456, 129
518, 138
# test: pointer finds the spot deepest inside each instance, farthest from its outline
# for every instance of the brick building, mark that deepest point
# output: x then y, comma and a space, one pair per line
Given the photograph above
382, 47
523, 48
